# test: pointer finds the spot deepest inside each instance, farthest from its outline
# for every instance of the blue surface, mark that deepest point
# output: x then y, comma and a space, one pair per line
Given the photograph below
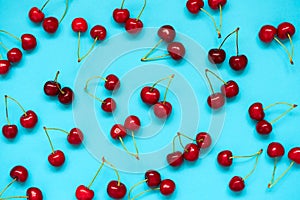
268, 78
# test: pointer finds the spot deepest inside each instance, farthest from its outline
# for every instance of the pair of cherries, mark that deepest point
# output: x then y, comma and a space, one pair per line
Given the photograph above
80, 26
28, 120
53, 88
50, 24
122, 16
154, 182
191, 151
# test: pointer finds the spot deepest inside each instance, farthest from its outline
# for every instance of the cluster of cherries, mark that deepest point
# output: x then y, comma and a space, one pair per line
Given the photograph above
191, 151
50, 24
53, 88
20, 174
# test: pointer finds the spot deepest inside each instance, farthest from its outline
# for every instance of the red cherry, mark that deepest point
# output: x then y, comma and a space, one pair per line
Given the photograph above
50, 24
132, 123
216, 56
4, 66
167, 187
162, 109
153, 178
116, 190
14, 55
284, 29
56, 158
294, 155
214, 4
75, 136
256, 111
267, 33
66, 95
10, 131
79, 25
112, 82
194, 6
29, 119
237, 184
225, 158
117, 131
175, 159
133, 26
34, 193
28, 42
166, 33
203, 140
98, 32
191, 152
121, 15
150, 95
36, 15
176, 50
51, 88
19, 173
275, 149
238, 63
230, 89
216, 100
84, 193
108, 105
263, 127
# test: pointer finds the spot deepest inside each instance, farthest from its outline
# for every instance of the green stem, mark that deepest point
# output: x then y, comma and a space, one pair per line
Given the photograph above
65, 12
11, 35
135, 185
250, 156
156, 58
279, 103
215, 75
50, 142
255, 165
126, 150
45, 5
114, 168
292, 45
95, 176
213, 20
14, 100
151, 50
78, 47
160, 80
173, 143
6, 112
135, 145
221, 21
56, 129
167, 89
1, 193
3, 46
281, 176
140, 14
283, 114
185, 136
236, 41
285, 49
87, 91
235, 31
274, 171
14, 197
144, 192
122, 5
89, 51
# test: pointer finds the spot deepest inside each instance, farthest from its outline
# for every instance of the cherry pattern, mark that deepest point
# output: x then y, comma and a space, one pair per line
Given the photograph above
74, 136
121, 15
225, 158
135, 25
275, 151
37, 15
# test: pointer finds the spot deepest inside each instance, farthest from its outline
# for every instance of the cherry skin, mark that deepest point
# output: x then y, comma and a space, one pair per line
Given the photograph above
132, 123
108, 105
75, 136
203, 140
191, 152
267, 33
51, 88
19, 173
36, 15
79, 25
4, 67
216, 100
167, 187
284, 29
10, 131
176, 50
34, 193
263, 127
224, 158
256, 111
166, 33
84, 193
116, 190
150, 95
50, 24
216, 56
294, 155
14, 55
28, 42
66, 95
237, 184
121, 15
194, 6
275, 150
238, 63
133, 26
162, 110
175, 159
57, 158
29, 119
230, 89
153, 178
214, 4
118, 131
98, 32
112, 82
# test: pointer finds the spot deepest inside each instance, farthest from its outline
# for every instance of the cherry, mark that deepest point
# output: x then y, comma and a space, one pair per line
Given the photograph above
19, 173
216, 100
238, 63
194, 6
79, 25
28, 42
51, 88
150, 95
216, 56
153, 178
116, 190
166, 33
14, 55
133, 26
264, 127
4, 66
230, 89
237, 184
285, 30
112, 82
294, 155
216, 4
66, 95
98, 32
118, 131
108, 105
132, 123
267, 33
57, 158
225, 158
162, 109
275, 150
75, 136
121, 15
10, 131
175, 159
191, 152
29, 119
176, 50
50, 24
167, 187
203, 140
34, 193
256, 111
36, 15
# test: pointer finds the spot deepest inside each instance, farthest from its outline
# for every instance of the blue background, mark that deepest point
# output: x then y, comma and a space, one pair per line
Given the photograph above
268, 78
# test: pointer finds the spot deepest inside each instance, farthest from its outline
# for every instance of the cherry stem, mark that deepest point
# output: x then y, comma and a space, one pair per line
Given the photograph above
89, 51
6, 187
180, 142
255, 165
144, 192
292, 45
56, 76
145, 58
78, 48
185, 136
87, 91
218, 77
168, 86
283, 114
6, 112
135, 185
57, 129
65, 12
221, 21
160, 80
285, 49
50, 142
127, 151
3, 46
213, 20
156, 58
237, 42
173, 143
281, 176
95, 176
274, 171
14, 100
122, 5
45, 5
114, 168
135, 146
14, 197
235, 31
140, 14
250, 156
11, 35
279, 103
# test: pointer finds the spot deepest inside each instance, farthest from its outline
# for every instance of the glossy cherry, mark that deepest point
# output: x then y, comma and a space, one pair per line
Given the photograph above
75, 136
112, 82
116, 189
98, 32
176, 50
175, 159
166, 33
225, 158
167, 187
238, 62
150, 95
162, 110
216, 100
118, 131
153, 178
294, 155
215, 4
19, 173
51, 88
203, 140
14, 55
108, 105
4, 67
132, 123
29, 119
285, 30
275, 150
237, 184
133, 26
84, 193
264, 127
57, 158
79, 24
267, 33
10, 131
36, 15
66, 95
230, 89
121, 15
28, 42
194, 6
256, 111
191, 152
216, 56
34, 193
50, 24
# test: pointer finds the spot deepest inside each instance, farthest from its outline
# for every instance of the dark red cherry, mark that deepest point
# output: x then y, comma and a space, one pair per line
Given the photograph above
84, 193
116, 190
56, 158
75, 136
167, 187
230, 89
29, 119
216, 100
150, 95
237, 184
203, 140
238, 63
51, 88
176, 50
19, 173
175, 159
263, 127
121, 15
108, 105
191, 152
275, 150
215, 4
10, 131
256, 111
98, 32
28, 42
34, 193
133, 26
225, 158
112, 82
284, 29
36, 15
162, 109
153, 178
132, 123
194, 6
79, 25
216, 56
294, 155
66, 95
166, 33
4, 66
50, 24
14, 55
267, 33
118, 131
